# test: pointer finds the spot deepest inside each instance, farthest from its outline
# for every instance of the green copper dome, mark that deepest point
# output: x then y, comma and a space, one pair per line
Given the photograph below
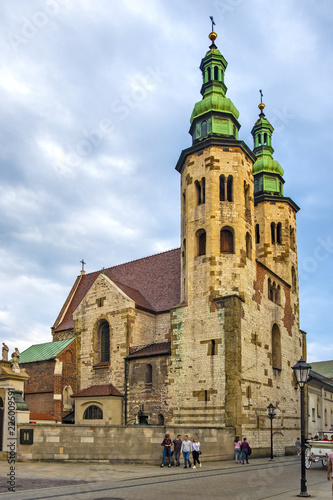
214, 102
267, 164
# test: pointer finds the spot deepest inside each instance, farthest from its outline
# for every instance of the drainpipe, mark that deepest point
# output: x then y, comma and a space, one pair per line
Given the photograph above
125, 402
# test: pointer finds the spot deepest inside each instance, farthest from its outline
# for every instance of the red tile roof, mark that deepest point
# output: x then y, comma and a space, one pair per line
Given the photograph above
152, 282
150, 350
41, 416
98, 390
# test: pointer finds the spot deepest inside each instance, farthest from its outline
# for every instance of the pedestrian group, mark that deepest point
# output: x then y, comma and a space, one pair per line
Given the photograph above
184, 447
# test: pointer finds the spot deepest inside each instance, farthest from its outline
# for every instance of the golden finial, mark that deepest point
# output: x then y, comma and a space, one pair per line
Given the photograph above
261, 105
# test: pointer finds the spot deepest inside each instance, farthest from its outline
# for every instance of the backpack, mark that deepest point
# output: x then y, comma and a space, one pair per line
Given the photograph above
249, 451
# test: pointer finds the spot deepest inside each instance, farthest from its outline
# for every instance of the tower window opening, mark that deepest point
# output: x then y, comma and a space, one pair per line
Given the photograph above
273, 232
265, 138
201, 238
247, 195
198, 189
208, 75
276, 348
227, 241
257, 234
292, 239
229, 188
203, 128
216, 73
278, 295
279, 233
293, 279
222, 188
248, 246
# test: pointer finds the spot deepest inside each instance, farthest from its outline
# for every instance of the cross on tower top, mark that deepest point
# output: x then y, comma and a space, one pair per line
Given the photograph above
213, 22
83, 264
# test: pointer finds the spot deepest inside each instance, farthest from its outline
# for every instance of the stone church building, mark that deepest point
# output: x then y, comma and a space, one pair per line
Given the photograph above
204, 335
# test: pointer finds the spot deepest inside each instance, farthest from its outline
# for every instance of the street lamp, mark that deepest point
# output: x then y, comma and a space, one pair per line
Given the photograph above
271, 415
301, 372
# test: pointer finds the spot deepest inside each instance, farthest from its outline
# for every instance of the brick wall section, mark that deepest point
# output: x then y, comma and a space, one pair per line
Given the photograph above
44, 383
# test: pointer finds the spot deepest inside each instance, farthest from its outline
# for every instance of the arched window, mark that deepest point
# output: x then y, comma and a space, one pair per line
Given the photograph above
265, 138
227, 241
273, 231
105, 342
203, 187
257, 234
222, 188
208, 75
203, 128
293, 280
149, 374
93, 412
325, 418
229, 188
248, 246
201, 239
160, 419
279, 233
198, 190
216, 73
270, 290
276, 347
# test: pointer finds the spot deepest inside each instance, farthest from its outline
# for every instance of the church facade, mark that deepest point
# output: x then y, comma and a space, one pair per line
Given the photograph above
204, 335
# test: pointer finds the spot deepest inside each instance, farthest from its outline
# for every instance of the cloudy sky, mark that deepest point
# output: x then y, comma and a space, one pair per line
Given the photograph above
95, 100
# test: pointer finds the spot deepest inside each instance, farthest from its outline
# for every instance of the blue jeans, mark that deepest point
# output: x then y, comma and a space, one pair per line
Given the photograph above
165, 450
245, 456
237, 454
186, 455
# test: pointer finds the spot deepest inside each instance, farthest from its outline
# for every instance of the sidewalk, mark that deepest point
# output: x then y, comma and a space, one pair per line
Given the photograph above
52, 476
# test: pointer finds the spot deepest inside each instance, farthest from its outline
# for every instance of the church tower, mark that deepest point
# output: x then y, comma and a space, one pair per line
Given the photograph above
275, 215
235, 334
217, 206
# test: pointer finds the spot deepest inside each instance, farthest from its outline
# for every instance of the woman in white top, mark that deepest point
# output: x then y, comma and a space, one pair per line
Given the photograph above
195, 452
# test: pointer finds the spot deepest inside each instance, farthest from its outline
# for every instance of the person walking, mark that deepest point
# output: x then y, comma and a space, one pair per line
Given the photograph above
196, 452
245, 448
177, 446
186, 450
298, 446
167, 444
237, 443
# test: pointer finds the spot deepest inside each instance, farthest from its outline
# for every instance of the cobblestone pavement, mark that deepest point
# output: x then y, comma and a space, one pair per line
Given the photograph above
279, 480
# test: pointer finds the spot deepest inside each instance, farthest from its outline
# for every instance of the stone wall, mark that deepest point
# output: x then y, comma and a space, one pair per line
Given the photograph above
140, 444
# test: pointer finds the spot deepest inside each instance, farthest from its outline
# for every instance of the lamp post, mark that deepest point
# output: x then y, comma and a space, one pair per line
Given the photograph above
271, 415
302, 371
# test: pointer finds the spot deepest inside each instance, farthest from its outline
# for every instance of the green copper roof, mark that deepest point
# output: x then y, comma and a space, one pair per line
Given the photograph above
42, 352
215, 115
324, 368
214, 102
267, 171
267, 164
